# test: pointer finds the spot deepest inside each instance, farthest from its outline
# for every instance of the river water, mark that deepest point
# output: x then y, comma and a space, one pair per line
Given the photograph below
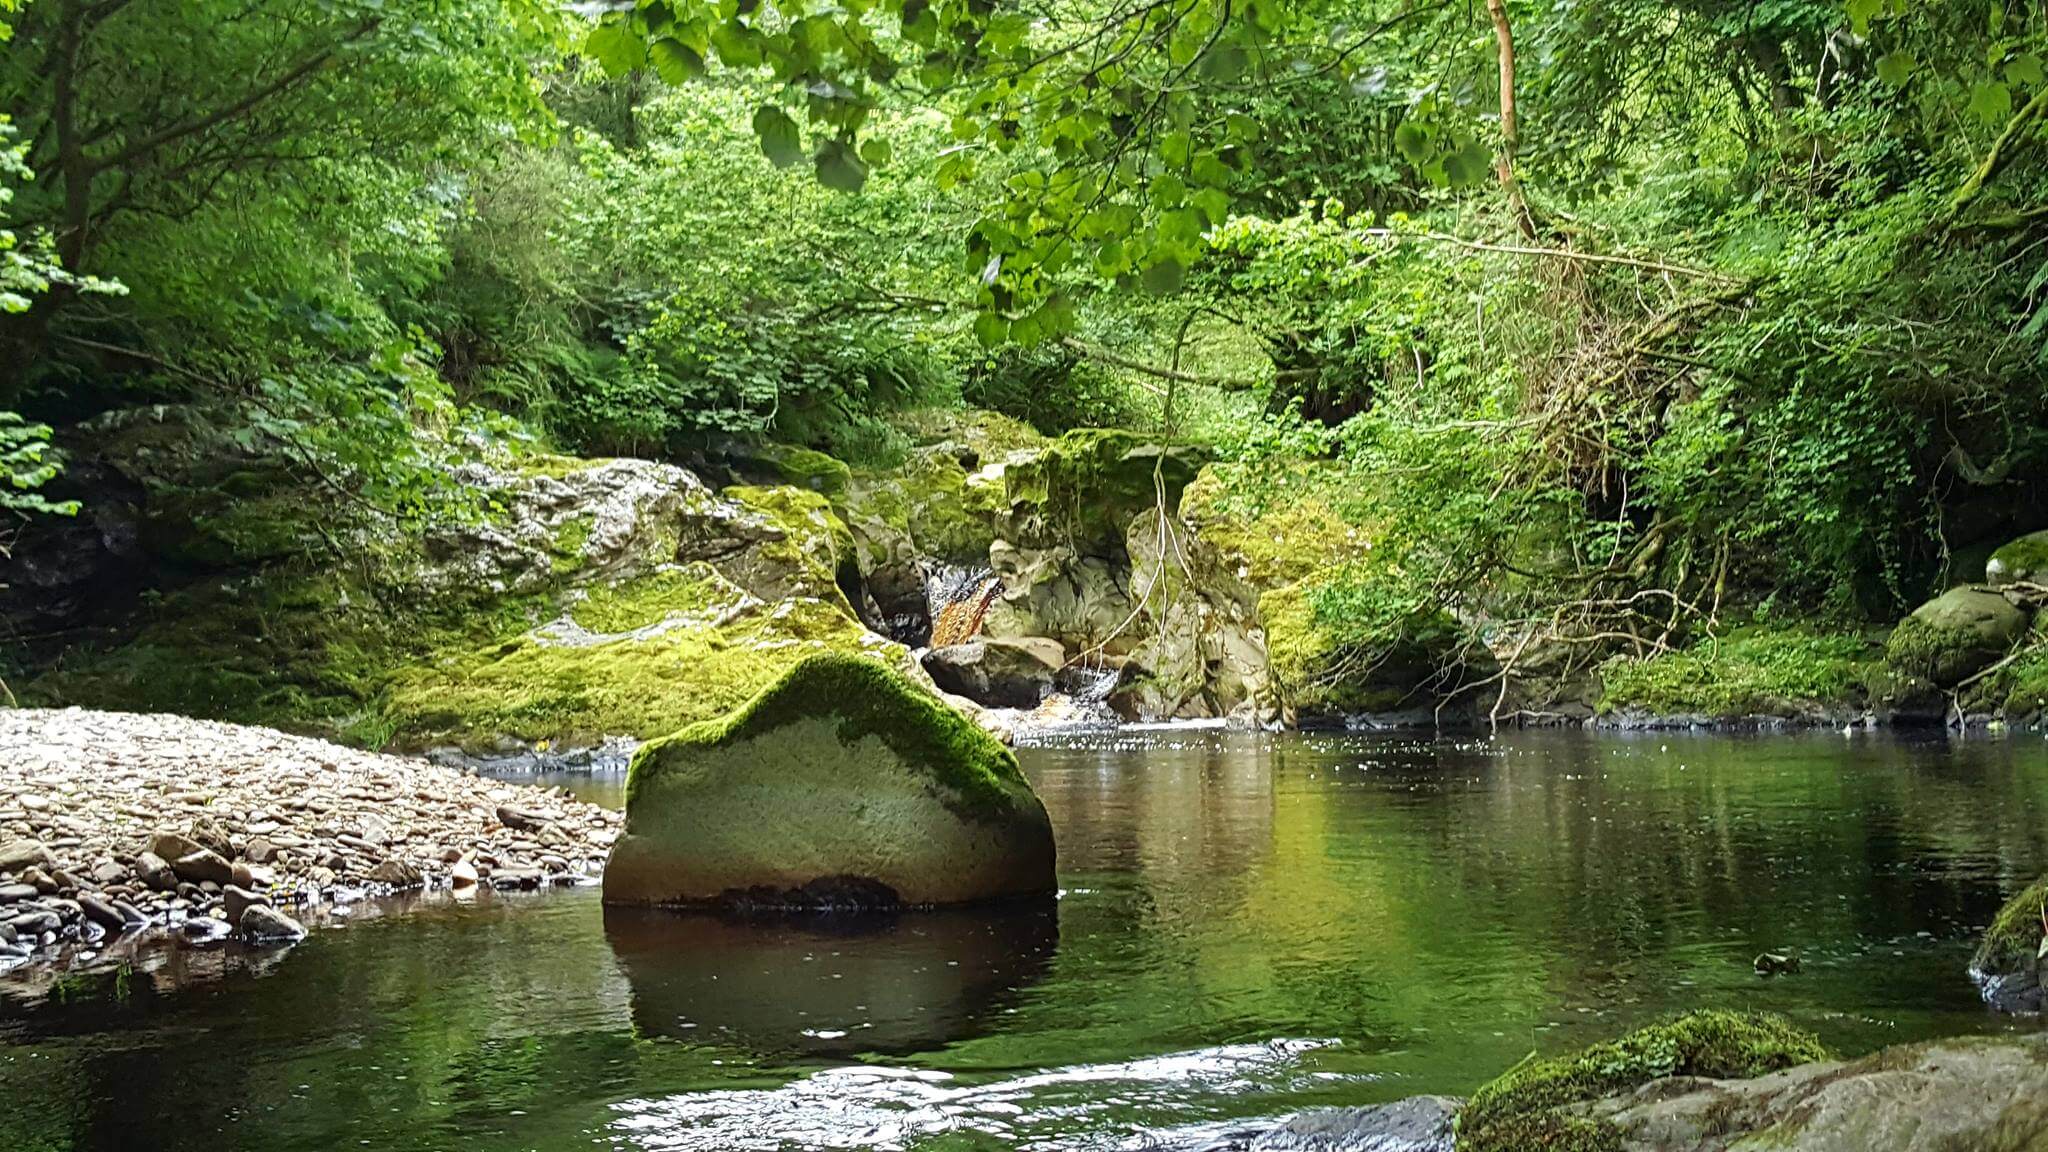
1249, 925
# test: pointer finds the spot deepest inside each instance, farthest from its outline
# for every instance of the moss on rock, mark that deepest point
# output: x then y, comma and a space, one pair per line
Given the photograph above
1085, 487
843, 773
2013, 942
1529, 1108
672, 649
2022, 560
1751, 671
1954, 635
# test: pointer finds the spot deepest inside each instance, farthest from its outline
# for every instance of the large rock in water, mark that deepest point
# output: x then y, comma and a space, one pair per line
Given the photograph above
840, 785
1013, 673
1955, 635
2011, 963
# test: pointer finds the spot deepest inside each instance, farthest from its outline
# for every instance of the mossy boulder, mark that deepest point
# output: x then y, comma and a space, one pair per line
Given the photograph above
1956, 635
2024, 561
841, 784
2012, 960
1083, 489
1542, 1104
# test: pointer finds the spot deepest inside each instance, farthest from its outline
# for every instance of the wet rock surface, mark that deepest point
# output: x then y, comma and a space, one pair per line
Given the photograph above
115, 826
1416, 1124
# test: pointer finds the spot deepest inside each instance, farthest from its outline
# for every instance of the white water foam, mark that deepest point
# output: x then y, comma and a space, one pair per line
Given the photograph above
1083, 1108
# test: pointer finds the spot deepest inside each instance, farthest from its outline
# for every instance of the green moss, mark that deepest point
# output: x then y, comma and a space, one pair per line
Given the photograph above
2014, 939
665, 594
1521, 1111
992, 435
1085, 487
805, 468
2019, 691
1937, 652
533, 687
868, 699
1309, 666
1293, 534
2024, 559
557, 467
566, 553
811, 553
1750, 671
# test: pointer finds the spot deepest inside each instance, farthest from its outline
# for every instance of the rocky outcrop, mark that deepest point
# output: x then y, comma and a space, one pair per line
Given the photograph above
1000, 673
841, 785
2011, 963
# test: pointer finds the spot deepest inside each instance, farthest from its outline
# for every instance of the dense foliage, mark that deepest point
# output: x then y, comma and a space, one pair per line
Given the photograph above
1609, 321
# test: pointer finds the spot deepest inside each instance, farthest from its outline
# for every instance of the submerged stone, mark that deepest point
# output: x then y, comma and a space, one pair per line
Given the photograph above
840, 785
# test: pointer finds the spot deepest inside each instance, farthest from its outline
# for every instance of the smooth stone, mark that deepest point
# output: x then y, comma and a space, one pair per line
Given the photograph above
16, 893
521, 820
462, 874
32, 924
1000, 673
102, 913
20, 855
174, 845
155, 872
235, 901
262, 924
397, 874
260, 851
203, 867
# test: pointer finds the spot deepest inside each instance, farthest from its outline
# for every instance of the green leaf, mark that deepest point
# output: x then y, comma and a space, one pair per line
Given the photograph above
1862, 12
1165, 277
616, 49
674, 61
1412, 140
839, 168
1896, 68
875, 153
1991, 102
2025, 70
781, 141
1468, 165
991, 329
737, 45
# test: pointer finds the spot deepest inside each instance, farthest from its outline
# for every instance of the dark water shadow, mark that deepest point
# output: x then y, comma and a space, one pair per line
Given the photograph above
829, 985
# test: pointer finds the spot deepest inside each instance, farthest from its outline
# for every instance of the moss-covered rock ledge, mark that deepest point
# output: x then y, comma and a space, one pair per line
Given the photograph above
1717, 1081
840, 785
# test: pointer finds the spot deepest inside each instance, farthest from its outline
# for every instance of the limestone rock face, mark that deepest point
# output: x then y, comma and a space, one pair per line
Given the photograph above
840, 785
1958, 633
1012, 673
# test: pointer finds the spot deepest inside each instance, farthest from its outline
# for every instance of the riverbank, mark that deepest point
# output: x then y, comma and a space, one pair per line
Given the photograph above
116, 825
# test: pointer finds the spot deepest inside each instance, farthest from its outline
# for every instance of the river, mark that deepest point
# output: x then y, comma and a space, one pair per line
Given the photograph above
1248, 925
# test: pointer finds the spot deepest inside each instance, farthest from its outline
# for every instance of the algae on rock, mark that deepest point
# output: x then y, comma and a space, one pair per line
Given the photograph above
839, 784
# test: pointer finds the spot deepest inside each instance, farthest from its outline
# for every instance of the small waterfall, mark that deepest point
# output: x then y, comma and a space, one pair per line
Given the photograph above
959, 599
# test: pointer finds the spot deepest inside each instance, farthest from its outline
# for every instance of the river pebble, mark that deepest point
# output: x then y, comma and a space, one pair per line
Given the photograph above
113, 824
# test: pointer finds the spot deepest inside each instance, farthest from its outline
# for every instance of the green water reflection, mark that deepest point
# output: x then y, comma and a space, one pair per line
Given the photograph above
1250, 925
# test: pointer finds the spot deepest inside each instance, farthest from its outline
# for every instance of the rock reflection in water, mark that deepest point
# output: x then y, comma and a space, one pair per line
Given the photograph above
819, 985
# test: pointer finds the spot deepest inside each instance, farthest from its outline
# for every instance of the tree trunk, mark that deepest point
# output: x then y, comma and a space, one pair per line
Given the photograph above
1504, 165
74, 171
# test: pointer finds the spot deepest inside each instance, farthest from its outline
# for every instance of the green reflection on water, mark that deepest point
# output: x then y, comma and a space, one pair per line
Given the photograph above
1439, 907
